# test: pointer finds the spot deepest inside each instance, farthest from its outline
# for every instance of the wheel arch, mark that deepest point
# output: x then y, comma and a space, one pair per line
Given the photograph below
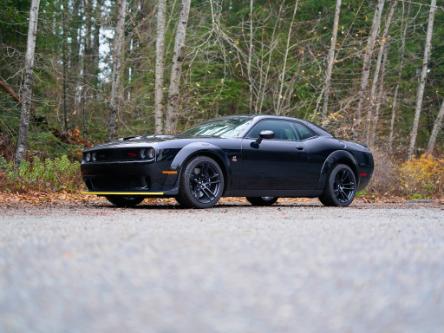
335, 158
202, 149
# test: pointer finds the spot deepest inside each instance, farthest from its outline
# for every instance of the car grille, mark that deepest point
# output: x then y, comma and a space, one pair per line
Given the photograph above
113, 155
106, 183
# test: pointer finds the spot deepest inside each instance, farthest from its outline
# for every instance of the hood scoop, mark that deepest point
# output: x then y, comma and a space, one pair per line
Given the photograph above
134, 137
160, 136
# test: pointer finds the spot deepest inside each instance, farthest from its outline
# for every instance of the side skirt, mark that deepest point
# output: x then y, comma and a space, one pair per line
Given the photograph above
274, 193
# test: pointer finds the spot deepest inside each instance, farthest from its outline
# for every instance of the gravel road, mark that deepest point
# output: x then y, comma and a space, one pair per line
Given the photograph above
230, 269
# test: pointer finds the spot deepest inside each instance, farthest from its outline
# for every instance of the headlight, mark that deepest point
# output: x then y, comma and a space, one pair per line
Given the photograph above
94, 156
147, 153
151, 153
87, 157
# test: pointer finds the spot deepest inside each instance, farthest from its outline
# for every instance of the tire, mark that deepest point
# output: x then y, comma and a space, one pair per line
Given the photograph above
124, 201
201, 183
340, 189
262, 201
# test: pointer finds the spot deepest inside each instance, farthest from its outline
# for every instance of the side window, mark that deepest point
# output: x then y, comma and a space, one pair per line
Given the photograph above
303, 131
283, 130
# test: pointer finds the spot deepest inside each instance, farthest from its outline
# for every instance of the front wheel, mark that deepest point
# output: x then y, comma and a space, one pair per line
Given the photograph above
124, 201
341, 187
201, 183
262, 201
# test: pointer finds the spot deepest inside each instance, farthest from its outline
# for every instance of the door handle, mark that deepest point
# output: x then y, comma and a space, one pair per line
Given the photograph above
300, 148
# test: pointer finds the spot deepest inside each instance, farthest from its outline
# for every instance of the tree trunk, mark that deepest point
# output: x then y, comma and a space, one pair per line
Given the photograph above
74, 60
250, 58
65, 65
331, 59
393, 119
436, 128
87, 62
366, 65
379, 62
422, 80
401, 66
118, 49
379, 99
26, 95
8, 89
176, 68
95, 54
160, 67
284, 66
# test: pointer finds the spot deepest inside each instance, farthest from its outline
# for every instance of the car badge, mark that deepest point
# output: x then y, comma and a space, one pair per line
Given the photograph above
234, 158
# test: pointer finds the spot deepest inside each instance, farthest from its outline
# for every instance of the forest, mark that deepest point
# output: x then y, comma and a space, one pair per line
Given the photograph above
78, 72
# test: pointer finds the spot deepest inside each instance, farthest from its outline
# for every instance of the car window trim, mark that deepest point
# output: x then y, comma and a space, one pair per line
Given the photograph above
315, 135
281, 120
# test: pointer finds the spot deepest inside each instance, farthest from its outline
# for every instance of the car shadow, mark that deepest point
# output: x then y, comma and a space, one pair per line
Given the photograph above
217, 207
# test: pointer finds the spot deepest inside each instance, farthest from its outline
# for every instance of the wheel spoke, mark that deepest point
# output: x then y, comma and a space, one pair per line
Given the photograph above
210, 195
344, 185
348, 188
205, 182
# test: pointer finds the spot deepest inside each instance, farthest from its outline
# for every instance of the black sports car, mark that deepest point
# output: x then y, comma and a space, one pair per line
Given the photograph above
258, 157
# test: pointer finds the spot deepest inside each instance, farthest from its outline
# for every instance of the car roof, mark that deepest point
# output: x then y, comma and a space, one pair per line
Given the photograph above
319, 130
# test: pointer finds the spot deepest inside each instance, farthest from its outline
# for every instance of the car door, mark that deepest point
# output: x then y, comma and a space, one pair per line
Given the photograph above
275, 164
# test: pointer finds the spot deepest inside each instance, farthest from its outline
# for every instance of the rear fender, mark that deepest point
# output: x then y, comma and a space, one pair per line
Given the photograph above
338, 156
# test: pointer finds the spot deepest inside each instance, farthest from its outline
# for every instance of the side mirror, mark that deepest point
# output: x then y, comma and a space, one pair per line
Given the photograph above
265, 134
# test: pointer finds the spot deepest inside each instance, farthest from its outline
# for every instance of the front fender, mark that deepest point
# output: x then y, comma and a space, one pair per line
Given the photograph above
200, 148
334, 158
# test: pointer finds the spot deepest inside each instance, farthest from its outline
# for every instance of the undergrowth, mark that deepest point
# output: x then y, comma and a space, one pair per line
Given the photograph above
422, 177
58, 174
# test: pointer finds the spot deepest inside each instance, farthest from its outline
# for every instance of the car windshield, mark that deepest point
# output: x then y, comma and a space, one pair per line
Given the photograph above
222, 128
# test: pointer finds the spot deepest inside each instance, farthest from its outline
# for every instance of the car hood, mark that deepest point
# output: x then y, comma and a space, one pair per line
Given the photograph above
156, 141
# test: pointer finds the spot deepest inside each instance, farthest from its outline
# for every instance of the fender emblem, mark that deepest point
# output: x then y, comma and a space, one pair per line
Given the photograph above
234, 158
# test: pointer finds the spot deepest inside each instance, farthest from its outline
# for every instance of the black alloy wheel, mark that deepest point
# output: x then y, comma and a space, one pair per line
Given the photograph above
341, 187
125, 201
201, 183
262, 201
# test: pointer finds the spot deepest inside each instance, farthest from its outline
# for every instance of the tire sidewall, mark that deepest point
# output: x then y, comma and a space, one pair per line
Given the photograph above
186, 194
125, 201
260, 201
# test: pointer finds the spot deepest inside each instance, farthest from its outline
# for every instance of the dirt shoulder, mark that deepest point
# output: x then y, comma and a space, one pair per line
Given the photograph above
78, 200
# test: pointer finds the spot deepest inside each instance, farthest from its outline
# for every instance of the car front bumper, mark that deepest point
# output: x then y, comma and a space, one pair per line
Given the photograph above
129, 178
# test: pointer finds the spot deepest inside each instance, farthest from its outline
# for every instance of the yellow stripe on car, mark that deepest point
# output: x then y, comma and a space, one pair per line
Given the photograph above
122, 193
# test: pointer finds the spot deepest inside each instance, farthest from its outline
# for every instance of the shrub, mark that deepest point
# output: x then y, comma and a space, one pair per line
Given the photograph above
385, 179
422, 177
58, 174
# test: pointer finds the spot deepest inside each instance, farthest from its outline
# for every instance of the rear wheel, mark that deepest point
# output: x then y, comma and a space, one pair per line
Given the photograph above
262, 201
124, 201
201, 183
341, 187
